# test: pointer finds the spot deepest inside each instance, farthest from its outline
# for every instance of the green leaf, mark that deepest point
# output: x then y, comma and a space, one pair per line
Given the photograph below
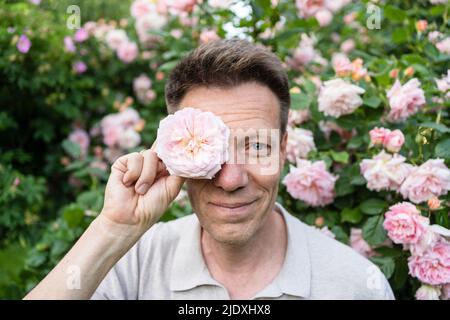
373, 206
341, 157
394, 14
386, 265
72, 148
300, 101
373, 231
73, 215
400, 273
437, 126
351, 215
373, 102
442, 149
400, 35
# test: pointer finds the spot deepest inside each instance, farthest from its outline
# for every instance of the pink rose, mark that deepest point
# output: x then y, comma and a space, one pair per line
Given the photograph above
128, 52
433, 267
444, 45
404, 223
443, 84
311, 183
405, 100
338, 97
300, 143
431, 179
385, 171
377, 135
341, 64
192, 143
348, 45
81, 138
324, 17
296, 117
140, 8
115, 38
208, 35
394, 140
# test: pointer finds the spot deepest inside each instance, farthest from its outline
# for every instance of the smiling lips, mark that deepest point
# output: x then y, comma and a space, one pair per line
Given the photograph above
232, 205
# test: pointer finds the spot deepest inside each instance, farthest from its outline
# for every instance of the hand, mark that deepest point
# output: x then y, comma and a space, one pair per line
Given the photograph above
139, 190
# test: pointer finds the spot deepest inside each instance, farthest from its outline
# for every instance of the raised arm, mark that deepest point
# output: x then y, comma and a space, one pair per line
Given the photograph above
138, 192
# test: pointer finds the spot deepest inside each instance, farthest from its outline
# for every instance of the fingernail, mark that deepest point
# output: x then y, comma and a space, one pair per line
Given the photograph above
143, 188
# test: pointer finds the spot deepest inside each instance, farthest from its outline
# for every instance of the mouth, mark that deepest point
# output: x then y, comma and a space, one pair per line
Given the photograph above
233, 207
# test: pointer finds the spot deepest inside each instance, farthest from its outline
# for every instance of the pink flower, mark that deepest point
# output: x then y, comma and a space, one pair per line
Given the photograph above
192, 143
300, 143
69, 45
385, 171
431, 179
81, 35
404, 223
296, 117
394, 140
324, 17
443, 84
177, 6
405, 100
24, 44
311, 183
341, 64
140, 8
129, 138
359, 244
116, 129
444, 45
426, 292
79, 67
81, 138
377, 135
128, 52
338, 97
208, 35
433, 267
115, 38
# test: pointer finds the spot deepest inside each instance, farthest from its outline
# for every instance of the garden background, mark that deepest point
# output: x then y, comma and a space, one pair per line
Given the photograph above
67, 71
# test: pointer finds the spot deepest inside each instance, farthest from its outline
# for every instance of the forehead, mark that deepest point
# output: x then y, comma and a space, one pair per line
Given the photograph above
247, 106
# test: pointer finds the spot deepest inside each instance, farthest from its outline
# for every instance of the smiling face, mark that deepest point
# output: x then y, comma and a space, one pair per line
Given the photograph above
235, 204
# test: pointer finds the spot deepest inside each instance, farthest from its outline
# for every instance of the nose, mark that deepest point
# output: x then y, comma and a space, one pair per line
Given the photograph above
231, 177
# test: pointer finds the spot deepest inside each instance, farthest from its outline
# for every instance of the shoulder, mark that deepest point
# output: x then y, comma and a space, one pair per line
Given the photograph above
339, 272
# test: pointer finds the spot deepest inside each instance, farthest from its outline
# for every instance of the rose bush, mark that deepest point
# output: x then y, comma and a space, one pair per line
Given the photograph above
369, 145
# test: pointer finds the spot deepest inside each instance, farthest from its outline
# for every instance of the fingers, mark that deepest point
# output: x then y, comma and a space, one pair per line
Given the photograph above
149, 170
133, 164
174, 184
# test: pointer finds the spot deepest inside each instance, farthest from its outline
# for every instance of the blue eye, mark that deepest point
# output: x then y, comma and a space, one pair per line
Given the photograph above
258, 146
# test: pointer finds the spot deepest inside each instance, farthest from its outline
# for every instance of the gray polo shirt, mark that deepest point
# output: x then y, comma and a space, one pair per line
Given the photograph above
167, 263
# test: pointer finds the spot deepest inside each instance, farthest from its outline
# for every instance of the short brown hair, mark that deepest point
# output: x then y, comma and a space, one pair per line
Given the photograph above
228, 63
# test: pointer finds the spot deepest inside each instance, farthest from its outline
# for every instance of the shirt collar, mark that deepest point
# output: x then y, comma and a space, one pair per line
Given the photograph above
189, 269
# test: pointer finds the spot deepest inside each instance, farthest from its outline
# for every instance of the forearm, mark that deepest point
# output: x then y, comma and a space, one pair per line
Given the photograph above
81, 271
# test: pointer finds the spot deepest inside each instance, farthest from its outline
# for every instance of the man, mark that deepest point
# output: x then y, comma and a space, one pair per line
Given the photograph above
239, 244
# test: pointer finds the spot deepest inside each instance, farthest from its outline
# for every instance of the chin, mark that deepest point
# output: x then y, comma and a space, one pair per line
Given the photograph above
233, 234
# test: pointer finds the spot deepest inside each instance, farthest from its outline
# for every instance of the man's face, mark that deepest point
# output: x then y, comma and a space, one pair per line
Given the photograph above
234, 205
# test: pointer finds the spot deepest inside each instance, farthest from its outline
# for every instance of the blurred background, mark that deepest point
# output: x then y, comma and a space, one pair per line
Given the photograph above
82, 82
